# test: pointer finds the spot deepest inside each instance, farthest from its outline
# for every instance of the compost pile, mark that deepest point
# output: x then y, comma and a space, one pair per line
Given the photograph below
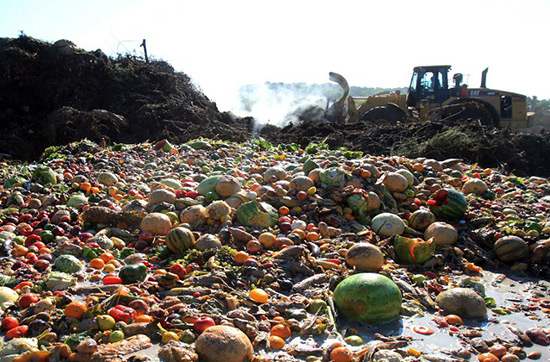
113, 248
54, 94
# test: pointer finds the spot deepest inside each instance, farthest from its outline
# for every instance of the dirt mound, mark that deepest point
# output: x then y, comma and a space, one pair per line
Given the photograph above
523, 154
52, 94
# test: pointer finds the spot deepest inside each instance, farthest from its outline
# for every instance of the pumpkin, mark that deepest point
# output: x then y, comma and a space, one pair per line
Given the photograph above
413, 250
227, 186
365, 257
421, 219
442, 233
161, 195
156, 223
368, 298
179, 239
448, 203
224, 343
107, 178
511, 248
207, 241
395, 182
474, 186
387, 224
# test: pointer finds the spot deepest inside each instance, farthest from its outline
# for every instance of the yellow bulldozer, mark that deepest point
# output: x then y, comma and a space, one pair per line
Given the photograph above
430, 96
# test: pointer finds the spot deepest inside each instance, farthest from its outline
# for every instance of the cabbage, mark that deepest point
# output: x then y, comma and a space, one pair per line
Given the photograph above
8, 296
68, 264
59, 281
77, 200
309, 165
16, 347
257, 213
357, 201
207, 185
45, 174
332, 177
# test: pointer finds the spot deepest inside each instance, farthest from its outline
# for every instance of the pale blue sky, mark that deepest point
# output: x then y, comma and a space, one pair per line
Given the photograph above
224, 44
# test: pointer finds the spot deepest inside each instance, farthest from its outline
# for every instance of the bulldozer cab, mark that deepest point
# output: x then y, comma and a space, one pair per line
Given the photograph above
429, 85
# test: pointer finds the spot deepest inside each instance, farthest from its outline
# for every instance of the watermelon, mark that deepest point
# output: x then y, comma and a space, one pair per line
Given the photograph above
448, 204
179, 239
368, 298
511, 248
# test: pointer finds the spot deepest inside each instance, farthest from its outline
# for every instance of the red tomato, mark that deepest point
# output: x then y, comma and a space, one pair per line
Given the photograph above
9, 323
17, 332
27, 299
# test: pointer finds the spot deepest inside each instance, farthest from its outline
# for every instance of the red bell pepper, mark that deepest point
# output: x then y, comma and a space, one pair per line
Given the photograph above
122, 313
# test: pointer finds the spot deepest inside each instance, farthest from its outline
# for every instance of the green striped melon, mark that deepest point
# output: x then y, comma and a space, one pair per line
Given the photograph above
511, 248
179, 239
448, 204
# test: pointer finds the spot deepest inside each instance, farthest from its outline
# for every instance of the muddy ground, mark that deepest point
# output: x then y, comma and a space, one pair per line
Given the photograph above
53, 94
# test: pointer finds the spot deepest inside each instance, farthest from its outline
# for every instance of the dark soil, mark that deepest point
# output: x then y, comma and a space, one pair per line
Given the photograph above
53, 94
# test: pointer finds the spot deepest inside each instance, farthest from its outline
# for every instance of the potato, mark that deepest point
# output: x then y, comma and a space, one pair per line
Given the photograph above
224, 343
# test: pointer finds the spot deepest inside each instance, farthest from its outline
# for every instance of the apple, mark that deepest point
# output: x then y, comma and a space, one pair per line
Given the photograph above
202, 323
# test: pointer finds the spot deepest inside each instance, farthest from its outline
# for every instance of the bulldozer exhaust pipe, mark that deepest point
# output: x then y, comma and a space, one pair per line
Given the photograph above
484, 78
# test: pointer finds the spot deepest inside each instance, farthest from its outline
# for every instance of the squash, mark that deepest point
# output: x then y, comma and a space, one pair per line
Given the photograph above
373, 201
194, 214
161, 195
180, 239
448, 203
207, 185
227, 186
421, 219
300, 183
224, 343
107, 178
156, 223
442, 233
365, 257
408, 175
474, 186
395, 182
207, 241
217, 210
511, 248
387, 224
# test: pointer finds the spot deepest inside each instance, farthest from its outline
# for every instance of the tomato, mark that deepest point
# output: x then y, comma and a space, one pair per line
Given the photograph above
27, 299
9, 323
17, 332
112, 280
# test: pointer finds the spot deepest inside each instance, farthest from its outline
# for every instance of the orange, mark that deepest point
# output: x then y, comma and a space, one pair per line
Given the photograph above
144, 318
85, 186
240, 257
341, 354
97, 263
487, 357
276, 342
453, 319
313, 236
259, 295
107, 257
283, 210
75, 309
281, 330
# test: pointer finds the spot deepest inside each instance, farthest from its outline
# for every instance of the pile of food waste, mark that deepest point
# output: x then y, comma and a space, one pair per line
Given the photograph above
222, 251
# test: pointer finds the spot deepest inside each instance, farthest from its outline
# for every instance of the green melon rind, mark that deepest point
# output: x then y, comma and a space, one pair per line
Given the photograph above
368, 298
454, 209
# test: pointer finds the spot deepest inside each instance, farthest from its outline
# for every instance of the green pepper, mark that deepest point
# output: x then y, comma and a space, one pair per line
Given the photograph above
133, 273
